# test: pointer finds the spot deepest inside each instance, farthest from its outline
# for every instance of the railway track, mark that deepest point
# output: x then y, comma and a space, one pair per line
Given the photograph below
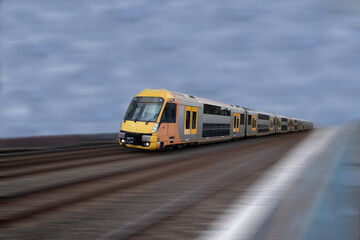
64, 184
56, 156
36, 166
26, 152
176, 207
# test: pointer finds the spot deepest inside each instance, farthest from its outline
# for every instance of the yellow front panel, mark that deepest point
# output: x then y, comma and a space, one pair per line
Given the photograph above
145, 128
139, 127
129, 126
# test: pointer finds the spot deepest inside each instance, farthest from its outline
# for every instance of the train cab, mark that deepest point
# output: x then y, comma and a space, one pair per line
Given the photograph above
148, 110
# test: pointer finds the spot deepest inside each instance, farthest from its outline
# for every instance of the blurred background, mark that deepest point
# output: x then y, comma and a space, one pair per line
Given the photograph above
73, 66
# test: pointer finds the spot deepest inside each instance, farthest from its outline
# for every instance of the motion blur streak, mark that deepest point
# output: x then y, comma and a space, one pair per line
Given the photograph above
301, 196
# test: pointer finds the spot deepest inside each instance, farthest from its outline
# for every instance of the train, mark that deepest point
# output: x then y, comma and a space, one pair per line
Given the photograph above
162, 119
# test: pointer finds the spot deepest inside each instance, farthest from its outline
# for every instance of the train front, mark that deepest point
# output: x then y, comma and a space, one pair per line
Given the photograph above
140, 125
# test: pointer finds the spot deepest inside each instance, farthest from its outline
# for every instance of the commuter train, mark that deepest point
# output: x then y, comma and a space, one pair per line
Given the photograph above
159, 118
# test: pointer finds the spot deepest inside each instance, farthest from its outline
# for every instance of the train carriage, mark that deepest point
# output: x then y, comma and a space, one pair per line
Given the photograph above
265, 125
301, 126
291, 124
296, 124
156, 119
283, 124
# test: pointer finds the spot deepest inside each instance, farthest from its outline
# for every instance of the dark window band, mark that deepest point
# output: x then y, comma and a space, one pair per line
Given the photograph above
215, 129
216, 110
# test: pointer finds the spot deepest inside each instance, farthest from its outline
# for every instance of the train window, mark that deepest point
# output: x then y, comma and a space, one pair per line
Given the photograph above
169, 114
173, 114
164, 116
249, 120
193, 120
237, 122
216, 110
264, 116
187, 120
242, 119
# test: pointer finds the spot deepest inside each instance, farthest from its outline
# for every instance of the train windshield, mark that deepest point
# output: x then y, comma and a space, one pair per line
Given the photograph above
144, 109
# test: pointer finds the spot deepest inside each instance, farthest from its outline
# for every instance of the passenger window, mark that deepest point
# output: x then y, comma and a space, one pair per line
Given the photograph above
242, 119
187, 121
173, 114
169, 114
164, 115
249, 119
193, 120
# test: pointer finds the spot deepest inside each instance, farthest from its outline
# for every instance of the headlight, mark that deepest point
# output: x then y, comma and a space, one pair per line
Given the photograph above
155, 128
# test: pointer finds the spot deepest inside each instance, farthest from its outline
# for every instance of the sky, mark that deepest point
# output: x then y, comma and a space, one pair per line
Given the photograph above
73, 66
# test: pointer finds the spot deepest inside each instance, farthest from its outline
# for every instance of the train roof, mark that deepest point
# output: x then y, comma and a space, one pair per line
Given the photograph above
172, 94
265, 113
203, 100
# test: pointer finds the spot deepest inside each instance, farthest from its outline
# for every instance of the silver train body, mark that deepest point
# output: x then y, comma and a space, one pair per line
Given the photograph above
199, 120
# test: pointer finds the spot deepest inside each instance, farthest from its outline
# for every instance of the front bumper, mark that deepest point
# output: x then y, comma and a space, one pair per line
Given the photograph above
138, 140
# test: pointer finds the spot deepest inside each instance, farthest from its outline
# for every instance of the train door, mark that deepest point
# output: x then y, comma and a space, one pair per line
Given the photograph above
190, 120
253, 123
271, 124
168, 127
288, 125
279, 124
248, 125
236, 123
194, 117
242, 128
